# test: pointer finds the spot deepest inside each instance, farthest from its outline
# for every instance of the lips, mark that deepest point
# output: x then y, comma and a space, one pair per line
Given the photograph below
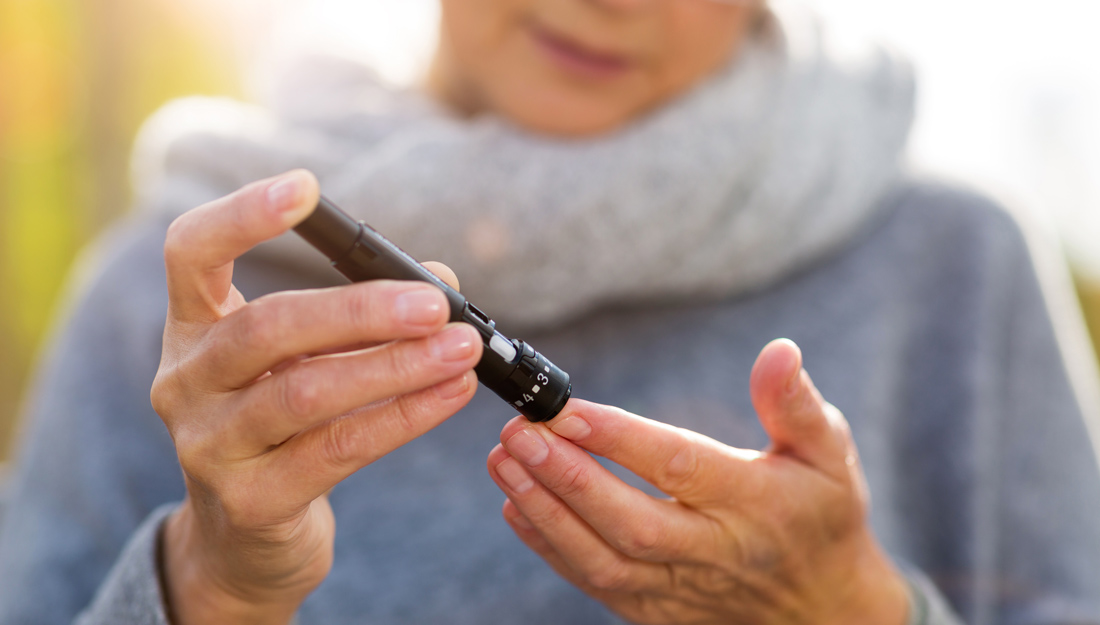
578, 58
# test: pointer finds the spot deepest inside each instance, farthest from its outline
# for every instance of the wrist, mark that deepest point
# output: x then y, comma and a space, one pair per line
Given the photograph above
195, 593
877, 592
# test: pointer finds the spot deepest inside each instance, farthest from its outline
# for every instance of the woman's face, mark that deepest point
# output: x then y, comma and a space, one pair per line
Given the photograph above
581, 67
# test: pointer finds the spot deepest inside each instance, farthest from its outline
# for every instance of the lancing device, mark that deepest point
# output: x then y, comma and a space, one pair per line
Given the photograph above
510, 368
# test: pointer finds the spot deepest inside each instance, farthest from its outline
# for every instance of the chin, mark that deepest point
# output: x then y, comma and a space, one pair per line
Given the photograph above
562, 124
565, 115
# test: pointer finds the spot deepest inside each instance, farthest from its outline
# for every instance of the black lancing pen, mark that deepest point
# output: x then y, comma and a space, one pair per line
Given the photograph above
510, 368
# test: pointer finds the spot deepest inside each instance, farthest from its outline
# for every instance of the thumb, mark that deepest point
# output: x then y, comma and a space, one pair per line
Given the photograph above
202, 244
796, 417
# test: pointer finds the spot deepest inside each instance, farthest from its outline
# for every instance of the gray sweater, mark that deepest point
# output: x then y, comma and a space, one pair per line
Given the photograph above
929, 331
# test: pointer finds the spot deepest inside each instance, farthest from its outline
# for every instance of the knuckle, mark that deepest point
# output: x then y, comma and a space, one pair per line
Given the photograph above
812, 414
405, 360
165, 392
258, 326
575, 480
408, 412
362, 308
681, 471
643, 541
176, 239
808, 425
341, 442
611, 576
298, 396
550, 516
172, 397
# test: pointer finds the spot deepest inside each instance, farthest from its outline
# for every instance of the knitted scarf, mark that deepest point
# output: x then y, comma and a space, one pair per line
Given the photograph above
775, 161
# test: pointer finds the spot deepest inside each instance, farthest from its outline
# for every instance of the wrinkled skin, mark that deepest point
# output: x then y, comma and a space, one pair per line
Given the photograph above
779, 536
273, 402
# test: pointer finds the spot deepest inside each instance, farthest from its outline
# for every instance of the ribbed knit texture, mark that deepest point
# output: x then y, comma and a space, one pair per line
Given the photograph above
771, 164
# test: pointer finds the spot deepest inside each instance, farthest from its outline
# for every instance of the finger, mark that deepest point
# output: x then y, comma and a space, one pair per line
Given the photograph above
342, 349
697, 470
631, 521
311, 463
580, 547
201, 244
634, 607
316, 390
531, 537
275, 328
799, 421
444, 273
534, 541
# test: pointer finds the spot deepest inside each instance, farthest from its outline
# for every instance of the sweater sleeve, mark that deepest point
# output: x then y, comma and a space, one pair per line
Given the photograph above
132, 593
95, 460
926, 605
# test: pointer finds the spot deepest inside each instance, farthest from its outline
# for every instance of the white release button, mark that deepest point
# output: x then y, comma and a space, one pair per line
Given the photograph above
503, 346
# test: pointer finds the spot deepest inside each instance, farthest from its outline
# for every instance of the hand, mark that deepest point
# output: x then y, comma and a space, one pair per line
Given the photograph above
779, 536
272, 403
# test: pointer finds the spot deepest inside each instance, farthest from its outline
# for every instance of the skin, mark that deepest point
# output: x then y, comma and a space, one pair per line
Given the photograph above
273, 402
779, 536
707, 555
493, 57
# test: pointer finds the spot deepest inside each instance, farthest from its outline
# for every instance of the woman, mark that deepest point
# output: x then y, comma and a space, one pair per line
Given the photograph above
649, 191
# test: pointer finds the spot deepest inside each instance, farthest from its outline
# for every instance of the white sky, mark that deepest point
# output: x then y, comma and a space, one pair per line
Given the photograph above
1010, 98
1010, 89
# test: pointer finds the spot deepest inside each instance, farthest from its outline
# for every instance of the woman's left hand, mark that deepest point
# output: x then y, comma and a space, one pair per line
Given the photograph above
779, 536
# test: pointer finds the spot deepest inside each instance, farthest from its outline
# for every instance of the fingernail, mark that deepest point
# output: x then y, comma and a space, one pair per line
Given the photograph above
527, 447
281, 196
515, 476
453, 388
453, 344
420, 306
573, 428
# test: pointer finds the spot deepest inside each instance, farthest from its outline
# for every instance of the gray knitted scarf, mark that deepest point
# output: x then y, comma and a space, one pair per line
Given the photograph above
763, 169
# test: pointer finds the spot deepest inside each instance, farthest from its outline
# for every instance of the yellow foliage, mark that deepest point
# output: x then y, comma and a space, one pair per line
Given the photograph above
76, 80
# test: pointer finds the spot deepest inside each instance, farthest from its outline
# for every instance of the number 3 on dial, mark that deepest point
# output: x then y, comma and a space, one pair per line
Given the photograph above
543, 379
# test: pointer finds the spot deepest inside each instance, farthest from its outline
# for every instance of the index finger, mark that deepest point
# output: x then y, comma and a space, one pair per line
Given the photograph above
693, 468
202, 244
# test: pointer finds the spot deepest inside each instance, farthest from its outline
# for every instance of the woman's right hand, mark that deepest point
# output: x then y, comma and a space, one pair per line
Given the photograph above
273, 402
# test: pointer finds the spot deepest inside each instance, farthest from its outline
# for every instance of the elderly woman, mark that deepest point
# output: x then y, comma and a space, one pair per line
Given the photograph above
648, 191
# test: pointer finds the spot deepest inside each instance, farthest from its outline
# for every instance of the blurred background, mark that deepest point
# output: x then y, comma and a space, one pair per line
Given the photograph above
1010, 101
